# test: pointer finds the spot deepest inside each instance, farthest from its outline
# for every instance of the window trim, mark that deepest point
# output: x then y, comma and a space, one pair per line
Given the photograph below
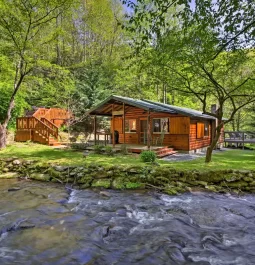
166, 132
204, 124
127, 120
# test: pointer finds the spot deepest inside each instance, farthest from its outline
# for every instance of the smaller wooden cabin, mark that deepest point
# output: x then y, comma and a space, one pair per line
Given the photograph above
41, 125
148, 123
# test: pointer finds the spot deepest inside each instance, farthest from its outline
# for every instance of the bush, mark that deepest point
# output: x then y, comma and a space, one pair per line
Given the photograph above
109, 150
79, 146
98, 149
148, 156
124, 149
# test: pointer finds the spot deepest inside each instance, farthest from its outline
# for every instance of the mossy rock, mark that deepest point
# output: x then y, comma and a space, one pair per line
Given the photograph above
238, 184
211, 188
161, 180
248, 179
84, 180
135, 170
40, 177
118, 183
134, 185
232, 177
162, 172
171, 191
54, 173
99, 175
212, 177
9, 175
85, 186
252, 183
103, 183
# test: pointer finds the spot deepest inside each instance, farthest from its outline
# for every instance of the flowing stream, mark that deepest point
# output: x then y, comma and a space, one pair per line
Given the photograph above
43, 223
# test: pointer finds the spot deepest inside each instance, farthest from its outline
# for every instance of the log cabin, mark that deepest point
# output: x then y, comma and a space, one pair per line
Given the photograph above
149, 123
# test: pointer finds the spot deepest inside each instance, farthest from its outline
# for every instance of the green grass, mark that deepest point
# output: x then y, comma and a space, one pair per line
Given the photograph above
232, 159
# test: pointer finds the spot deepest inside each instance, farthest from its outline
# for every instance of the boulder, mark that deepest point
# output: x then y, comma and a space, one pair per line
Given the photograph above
105, 193
16, 162
9, 175
40, 177
103, 183
60, 168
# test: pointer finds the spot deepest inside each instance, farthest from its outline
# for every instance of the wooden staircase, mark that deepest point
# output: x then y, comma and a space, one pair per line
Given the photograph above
41, 125
161, 151
164, 151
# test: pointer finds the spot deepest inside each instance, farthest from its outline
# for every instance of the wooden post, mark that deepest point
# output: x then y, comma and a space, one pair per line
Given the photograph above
113, 136
149, 130
124, 121
95, 129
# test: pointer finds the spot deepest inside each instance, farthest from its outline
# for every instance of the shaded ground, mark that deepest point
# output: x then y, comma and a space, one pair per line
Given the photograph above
188, 157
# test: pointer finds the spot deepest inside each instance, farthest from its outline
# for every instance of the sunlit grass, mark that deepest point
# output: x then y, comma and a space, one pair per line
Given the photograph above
232, 159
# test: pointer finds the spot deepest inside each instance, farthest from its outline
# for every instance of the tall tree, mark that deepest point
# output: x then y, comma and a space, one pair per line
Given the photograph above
208, 52
25, 29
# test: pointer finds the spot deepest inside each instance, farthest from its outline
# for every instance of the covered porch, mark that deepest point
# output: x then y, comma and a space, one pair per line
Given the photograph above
130, 124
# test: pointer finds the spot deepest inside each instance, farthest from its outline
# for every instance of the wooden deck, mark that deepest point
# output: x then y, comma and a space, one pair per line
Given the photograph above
41, 125
238, 138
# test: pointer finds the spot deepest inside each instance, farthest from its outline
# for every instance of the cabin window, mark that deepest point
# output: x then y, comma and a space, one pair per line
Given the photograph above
206, 129
161, 125
130, 125
202, 129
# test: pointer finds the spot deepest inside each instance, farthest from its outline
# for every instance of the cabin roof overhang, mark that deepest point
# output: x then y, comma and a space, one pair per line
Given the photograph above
105, 107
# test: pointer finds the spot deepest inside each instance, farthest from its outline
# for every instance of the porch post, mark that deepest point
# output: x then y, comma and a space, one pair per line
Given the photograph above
95, 129
113, 136
124, 121
149, 130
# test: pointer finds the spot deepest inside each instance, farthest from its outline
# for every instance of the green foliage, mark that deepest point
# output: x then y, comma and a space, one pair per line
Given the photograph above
109, 150
134, 185
124, 149
98, 149
148, 156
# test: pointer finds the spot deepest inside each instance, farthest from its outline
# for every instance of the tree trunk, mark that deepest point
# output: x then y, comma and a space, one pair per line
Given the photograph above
3, 130
3, 136
214, 142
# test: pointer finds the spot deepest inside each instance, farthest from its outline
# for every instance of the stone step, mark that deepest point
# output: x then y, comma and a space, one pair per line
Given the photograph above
166, 154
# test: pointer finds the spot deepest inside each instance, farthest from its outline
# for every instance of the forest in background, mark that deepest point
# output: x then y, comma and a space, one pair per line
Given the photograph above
73, 54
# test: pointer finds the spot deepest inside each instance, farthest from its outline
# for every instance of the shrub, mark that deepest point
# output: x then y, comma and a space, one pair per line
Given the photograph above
148, 156
98, 149
79, 146
124, 149
109, 150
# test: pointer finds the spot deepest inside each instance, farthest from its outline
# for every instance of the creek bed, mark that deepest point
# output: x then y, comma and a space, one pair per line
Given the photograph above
42, 223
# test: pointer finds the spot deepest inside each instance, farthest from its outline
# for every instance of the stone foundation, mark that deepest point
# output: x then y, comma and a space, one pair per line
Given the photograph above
162, 178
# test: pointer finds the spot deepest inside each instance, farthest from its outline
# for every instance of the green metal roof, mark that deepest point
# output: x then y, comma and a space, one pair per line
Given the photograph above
147, 105
184, 111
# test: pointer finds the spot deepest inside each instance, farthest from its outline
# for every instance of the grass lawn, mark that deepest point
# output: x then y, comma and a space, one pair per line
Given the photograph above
232, 159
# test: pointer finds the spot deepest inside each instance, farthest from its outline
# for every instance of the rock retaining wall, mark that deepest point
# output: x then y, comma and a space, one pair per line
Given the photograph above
166, 179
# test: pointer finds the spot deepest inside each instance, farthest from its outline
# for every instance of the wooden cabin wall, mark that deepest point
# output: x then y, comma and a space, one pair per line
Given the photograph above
178, 138
194, 142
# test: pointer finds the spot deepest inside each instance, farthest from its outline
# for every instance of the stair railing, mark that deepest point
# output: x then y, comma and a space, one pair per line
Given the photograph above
52, 126
32, 123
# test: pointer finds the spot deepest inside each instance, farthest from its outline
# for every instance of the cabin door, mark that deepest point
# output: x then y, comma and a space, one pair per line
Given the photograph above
143, 132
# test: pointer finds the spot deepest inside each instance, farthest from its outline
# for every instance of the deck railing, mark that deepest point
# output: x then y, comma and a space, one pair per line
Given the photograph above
239, 137
32, 123
52, 126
